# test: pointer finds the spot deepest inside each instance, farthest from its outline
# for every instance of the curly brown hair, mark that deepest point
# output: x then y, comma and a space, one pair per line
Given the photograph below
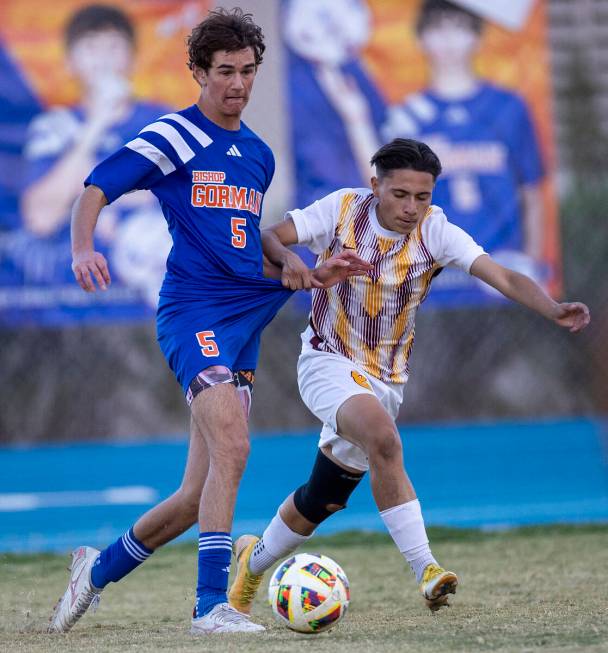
224, 30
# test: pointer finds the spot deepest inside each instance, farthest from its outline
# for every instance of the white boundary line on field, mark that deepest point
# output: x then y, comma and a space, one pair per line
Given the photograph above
112, 496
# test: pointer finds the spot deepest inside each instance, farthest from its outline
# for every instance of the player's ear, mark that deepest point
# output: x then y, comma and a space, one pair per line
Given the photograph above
375, 183
200, 75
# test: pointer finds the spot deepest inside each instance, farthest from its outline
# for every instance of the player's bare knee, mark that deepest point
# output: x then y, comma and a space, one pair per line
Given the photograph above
228, 426
232, 452
241, 453
383, 445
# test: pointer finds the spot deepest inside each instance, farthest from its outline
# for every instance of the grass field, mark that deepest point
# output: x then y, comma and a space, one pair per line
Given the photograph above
539, 589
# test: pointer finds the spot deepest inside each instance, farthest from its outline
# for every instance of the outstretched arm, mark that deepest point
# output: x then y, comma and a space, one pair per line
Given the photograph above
295, 274
521, 289
86, 262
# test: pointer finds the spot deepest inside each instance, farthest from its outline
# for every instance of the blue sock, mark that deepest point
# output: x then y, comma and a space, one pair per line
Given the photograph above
214, 552
117, 560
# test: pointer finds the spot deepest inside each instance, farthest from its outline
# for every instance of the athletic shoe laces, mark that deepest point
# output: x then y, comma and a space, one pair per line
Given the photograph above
88, 600
228, 615
250, 586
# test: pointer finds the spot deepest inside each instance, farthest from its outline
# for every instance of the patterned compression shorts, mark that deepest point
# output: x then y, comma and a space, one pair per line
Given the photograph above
218, 374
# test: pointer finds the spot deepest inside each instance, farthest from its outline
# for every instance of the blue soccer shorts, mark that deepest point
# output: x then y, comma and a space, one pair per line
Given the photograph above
197, 334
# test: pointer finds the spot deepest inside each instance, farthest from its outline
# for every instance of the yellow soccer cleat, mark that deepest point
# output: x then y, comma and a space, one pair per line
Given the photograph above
435, 586
245, 584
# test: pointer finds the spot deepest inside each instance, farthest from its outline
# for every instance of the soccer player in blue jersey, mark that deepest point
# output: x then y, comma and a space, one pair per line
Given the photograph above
485, 137
65, 141
209, 172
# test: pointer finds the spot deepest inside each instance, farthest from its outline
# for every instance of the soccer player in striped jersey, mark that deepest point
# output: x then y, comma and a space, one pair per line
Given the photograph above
209, 172
354, 361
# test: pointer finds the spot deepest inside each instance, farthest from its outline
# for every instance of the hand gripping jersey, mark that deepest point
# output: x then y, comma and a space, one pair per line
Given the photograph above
370, 319
210, 183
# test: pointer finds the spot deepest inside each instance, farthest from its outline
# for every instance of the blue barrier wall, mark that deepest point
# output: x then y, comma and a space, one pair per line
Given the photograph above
488, 476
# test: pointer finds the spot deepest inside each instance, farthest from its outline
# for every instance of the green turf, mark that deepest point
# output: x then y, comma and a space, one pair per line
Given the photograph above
540, 589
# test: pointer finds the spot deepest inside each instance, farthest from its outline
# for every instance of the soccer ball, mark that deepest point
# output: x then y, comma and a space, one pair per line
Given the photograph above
309, 593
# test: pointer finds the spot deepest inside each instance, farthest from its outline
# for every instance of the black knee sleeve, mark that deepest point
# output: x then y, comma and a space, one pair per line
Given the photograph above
328, 484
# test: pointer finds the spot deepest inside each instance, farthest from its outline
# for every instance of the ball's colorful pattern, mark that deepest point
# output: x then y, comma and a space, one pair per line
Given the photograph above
309, 593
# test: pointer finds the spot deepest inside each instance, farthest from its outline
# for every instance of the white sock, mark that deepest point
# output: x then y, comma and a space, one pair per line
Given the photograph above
277, 541
406, 526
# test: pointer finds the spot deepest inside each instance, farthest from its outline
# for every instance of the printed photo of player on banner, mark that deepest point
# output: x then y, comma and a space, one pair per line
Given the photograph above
80, 79
470, 78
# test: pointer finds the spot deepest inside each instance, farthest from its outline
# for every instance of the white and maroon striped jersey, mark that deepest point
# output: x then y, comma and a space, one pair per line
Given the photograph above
370, 319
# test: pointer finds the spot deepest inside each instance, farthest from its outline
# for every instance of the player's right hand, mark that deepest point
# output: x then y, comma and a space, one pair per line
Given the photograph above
295, 274
89, 266
573, 316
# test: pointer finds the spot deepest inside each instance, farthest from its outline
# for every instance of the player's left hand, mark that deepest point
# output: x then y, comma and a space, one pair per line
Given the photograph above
295, 274
572, 315
339, 268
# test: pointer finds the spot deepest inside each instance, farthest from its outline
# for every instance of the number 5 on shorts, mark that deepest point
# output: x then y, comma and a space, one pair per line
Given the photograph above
208, 345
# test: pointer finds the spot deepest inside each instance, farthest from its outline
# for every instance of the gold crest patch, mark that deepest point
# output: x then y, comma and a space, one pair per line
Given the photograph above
359, 379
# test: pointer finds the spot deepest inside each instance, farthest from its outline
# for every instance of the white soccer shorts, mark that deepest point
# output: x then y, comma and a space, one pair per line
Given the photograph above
326, 381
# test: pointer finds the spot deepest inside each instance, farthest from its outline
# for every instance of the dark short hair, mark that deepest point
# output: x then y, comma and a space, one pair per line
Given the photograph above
96, 18
406, 154
224, 30
431, 10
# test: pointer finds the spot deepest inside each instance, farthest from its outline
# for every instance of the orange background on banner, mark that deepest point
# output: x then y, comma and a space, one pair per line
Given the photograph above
33, 34
514, 60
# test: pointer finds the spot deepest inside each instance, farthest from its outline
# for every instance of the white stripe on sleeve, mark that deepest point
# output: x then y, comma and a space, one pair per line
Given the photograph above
152, 153
173, 137
198, 133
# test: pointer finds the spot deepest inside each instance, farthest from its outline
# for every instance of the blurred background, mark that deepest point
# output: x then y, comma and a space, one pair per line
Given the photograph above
513, 96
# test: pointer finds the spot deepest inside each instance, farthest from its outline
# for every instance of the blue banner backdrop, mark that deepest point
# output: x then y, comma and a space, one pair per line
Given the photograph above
78, 81
362, 72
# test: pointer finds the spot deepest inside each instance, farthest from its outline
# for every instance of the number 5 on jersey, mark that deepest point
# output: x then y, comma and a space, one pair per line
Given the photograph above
239, 235
209, 347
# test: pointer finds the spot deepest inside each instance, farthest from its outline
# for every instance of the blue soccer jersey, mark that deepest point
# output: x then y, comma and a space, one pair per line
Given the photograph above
210, 183
488, 149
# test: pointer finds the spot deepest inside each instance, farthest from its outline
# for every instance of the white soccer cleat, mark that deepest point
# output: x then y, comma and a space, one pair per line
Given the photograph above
79, 595
224, 619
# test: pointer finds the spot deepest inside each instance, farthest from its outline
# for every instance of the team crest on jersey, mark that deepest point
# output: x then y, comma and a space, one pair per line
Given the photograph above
209, 190
359, 379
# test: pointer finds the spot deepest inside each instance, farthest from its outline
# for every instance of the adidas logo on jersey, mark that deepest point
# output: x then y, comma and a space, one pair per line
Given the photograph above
233, 151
